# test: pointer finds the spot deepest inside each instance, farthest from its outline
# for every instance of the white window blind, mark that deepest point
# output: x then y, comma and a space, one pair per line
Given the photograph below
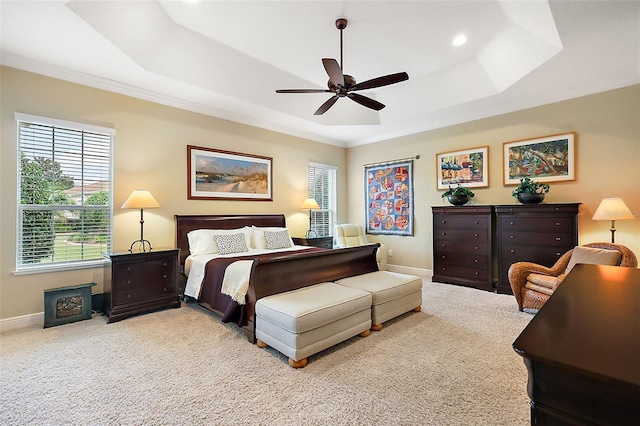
64, 189
323, 188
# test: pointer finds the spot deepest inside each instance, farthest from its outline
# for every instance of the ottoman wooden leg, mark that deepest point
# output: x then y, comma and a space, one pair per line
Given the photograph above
298, 364
376, 327
261, 344
365, 333
417, 309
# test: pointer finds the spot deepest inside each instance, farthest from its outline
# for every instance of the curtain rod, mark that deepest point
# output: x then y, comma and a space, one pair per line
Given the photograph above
392, 161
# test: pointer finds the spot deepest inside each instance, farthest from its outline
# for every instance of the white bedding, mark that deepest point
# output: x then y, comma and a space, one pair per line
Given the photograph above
236, 278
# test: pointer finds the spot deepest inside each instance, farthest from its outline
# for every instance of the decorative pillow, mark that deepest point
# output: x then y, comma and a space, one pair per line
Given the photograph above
539, 288
257, 233
543, 280
277, 239
593, 256
231, 243
201, 240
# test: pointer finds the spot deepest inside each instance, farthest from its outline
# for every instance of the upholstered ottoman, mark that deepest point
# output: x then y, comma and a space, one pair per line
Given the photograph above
302, 322
392, 293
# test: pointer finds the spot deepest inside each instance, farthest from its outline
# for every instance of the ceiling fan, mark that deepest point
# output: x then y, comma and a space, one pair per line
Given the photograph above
344, 85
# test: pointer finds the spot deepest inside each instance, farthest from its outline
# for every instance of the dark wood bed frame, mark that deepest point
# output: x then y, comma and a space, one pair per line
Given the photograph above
281, 273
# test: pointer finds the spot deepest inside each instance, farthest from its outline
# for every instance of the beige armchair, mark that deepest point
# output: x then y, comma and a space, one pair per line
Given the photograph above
533, 284
349, 235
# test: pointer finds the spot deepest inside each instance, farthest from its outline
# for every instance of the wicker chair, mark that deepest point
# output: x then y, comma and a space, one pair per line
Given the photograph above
528, 298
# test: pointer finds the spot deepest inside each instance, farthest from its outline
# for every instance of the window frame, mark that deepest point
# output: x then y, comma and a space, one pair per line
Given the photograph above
332, 200
22, 268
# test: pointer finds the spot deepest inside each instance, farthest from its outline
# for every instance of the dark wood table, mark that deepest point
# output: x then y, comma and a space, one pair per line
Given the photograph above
582, 350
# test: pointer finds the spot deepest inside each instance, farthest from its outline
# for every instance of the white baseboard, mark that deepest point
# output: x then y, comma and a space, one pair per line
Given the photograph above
410, 270
22, 321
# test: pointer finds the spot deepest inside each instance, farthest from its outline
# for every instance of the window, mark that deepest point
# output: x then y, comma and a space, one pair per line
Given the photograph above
64, 189
322, 188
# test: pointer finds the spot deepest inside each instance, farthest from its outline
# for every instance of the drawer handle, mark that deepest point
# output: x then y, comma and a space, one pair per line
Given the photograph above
476, 248
558, 254
512, 251
510, 223
128, 281
475, 260
444, 269
164, 289
557, 238
444, 245
164, 276
444, 221
444, 257
477, 273
444, 233
476, 222
475, 235
511, 236
128, 268
557, 223
164, 263
128, 296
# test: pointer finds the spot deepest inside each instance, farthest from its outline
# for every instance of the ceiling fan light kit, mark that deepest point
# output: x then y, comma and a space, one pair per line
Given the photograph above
343, 85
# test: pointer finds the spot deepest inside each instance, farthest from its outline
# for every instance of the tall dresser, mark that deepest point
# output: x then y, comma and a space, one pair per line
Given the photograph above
462, 245
538, 233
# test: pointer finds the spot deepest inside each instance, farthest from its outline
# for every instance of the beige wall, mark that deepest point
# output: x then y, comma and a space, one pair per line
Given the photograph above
607, 158
149, 152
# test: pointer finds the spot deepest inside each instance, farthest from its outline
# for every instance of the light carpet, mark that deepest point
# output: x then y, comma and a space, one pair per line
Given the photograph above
451, 364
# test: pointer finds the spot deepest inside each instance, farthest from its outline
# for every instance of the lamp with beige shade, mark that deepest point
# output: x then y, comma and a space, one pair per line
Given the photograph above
612, 209
141, 199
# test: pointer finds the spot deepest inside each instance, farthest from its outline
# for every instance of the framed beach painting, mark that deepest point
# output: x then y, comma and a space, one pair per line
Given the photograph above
389, 198
544, 159
469, 167
214, 174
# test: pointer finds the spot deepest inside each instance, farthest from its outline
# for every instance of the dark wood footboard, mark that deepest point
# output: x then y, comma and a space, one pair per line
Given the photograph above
292, 271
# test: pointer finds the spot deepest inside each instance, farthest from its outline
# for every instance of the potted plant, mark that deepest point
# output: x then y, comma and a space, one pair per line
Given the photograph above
459, 195
530, 191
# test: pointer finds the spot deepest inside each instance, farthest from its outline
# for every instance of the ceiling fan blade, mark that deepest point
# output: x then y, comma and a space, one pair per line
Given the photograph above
303, 91
368, 102
334, 71
381, 81
325, 106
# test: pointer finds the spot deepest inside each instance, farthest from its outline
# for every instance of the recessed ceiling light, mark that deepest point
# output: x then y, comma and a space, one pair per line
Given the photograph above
460, 40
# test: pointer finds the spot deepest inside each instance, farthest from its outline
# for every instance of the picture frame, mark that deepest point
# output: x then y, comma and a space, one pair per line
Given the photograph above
469, 167
215, 174
389, 203
544, 159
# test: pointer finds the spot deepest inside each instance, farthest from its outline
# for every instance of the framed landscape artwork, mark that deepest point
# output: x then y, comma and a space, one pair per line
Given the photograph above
465, 168
389, 198
224, 175
545, 159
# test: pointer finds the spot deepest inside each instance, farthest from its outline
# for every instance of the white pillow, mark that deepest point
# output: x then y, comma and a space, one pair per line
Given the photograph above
258, 240
277, 239
201, 240
231, 243
593, 256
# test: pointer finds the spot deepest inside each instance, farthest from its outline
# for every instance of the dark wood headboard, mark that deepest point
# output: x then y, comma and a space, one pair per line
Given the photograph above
187, 223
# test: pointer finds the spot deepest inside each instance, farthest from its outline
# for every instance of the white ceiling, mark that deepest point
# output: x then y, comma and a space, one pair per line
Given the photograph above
227, 58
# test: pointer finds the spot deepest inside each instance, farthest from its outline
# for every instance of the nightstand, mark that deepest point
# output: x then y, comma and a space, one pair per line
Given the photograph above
137, 283
322, 242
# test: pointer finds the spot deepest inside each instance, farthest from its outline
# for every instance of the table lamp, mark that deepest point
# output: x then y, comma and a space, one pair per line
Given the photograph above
310, 204
141, 199
612, 209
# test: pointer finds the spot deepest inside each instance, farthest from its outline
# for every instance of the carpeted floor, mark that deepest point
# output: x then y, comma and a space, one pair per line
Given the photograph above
451, 364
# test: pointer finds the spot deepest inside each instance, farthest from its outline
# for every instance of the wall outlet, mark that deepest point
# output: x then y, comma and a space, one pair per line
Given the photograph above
390, 253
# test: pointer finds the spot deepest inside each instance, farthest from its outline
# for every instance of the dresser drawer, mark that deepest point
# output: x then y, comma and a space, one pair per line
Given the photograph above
469, 235
461, 247
535, 224
532, 253
471, 274
453, 259
466, 221
549, 239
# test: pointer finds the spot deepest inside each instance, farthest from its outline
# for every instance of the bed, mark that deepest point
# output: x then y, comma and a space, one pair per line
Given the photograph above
271, 273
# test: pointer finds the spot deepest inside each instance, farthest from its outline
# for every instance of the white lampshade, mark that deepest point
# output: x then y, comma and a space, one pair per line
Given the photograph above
310, 204
612, 209
141, 199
